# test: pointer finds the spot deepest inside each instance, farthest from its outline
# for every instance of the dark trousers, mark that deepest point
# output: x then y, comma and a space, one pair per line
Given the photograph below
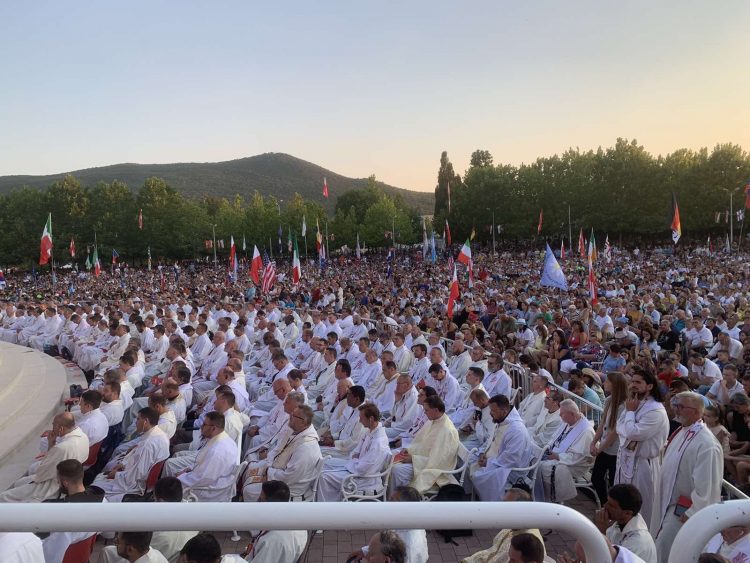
603, 474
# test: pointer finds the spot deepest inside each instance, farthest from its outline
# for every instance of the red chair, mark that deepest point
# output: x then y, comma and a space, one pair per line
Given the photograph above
153, 475
93, 454
80, 552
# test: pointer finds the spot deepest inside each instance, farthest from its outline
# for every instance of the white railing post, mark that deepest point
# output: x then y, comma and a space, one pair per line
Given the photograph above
703, 525
112, 517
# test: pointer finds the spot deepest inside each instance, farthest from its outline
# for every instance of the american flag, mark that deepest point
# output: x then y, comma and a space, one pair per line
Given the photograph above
451, 263
269, 277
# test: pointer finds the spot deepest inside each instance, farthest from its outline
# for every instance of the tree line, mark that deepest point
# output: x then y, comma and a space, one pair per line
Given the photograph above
622, 191
177, 227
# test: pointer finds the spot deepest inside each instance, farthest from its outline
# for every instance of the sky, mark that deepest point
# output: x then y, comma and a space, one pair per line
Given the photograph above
365, 88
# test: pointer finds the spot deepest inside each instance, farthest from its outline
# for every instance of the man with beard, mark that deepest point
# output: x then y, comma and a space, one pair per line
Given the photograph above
643, 429
511, 446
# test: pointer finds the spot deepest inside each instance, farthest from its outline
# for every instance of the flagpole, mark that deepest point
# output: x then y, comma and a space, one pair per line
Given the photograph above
570, 229
214, 231
328, 248
305, 237
731, 221
270, 246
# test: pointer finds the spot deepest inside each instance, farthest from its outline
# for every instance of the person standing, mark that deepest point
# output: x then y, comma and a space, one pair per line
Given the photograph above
606, 442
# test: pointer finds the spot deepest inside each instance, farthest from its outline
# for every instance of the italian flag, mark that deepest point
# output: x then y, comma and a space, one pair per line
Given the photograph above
465, 256
453, 294
256, 266
45, 248
296, 267
97, 264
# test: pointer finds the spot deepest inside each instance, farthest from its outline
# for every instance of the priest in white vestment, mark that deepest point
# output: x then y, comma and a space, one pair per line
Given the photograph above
492, 475
265, 425
548, 423
533, 403
318, 380
368, 458
569, 458
477, 432
89, 419
691, 473
446, 386
295, 461
128, 474
69, 443
732, 543
465, 408
496, 380
643, 428
433, 451
405, 407
343, 438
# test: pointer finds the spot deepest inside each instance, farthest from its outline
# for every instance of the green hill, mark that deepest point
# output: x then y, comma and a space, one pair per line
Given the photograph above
270, 174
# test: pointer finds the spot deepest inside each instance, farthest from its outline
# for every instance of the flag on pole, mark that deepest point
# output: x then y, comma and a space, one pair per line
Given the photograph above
318, 237
726, 216
592, 284
447, 233
97, 264
552, 274
581, 244
473, 233
541, 220
255, 266
296, 266
453, 293
448, 187
232, 255
593, 254
433, 255
280, 233
709, 248
2, 280
269, 277
115, 256
45, 247
465, 255
727, 246
676, 227
358, 249
244, 244
425, 243
325, 188
304, 226
88, 262
289, 243
607, 250
140, 219
72, 248
562, 250
717, 216
149, 258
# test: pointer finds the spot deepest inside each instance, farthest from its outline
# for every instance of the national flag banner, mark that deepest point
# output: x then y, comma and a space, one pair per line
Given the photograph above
465, 255
581, 244
325, 188
425, 243
592, 284
72, 248
296, 266
447, 233
473, 233
269, 277
541, 221
232, 255
140, 219
453, 293
45, 247
149, 258
2, 280
289, 243
607, 250
740, 215
220, 243
562, 250
593, 253
448, 188
676, 227
88, 262
255, 266
358, 249
433, 255
244, 244
727, 246
280, 232
552, 274
726, 216
304, 227
97, 265
717, 216
318, 237
115, 256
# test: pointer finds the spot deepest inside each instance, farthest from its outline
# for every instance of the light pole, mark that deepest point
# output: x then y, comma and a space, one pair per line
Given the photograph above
214, 231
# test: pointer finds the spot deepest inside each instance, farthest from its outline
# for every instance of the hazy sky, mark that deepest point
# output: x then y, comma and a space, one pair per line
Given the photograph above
365, 87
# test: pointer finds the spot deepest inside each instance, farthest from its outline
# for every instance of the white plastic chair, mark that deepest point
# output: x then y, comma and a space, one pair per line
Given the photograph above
311, 493
351, 493
459, 473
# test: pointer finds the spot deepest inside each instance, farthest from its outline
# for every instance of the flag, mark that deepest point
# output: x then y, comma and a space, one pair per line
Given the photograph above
232, 255
447, 233
255, 266
280, 233
552, 274
708, 246
325, 188
592, 284
473, 233
2, 280
433, 256
88, 262
676, 228
45, 247
269, 277
581, 244
244, 244
72, 248
727, 246
740, 215
465, 256
453, 293
593, 254
448, 188
296, 266
451, 262
115, 256
140, 219
97, 265
289, 244
358, 250
717, 216
318, 236
541, 220
304, 226
149, 258
562, 250
607, 250
425, 243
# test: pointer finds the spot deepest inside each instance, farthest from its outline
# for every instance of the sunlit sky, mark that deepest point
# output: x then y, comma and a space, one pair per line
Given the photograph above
365, 87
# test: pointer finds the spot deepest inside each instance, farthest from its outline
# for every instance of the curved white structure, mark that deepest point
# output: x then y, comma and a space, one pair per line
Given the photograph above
111, 517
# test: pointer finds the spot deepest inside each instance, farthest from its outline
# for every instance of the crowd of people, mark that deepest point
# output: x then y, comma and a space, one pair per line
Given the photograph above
355, 384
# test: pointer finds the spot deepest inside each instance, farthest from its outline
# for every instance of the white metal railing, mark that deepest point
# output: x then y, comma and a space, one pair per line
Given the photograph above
703, 525
122, 517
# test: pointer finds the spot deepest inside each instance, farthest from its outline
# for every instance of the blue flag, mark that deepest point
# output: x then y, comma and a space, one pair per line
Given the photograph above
552, 274
432, 245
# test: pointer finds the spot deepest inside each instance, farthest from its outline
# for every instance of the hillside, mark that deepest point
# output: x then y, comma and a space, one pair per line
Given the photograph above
270, 174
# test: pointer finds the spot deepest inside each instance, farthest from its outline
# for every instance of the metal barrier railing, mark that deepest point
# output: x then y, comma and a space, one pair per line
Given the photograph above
210, 516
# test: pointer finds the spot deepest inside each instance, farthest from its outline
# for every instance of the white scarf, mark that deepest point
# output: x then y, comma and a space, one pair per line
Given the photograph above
569, 435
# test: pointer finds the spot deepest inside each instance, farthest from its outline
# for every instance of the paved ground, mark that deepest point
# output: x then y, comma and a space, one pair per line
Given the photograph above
334, 546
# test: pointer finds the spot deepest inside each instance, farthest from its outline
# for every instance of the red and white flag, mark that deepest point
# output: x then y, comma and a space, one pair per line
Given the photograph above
581, 244
592, 283
453, 293
562, 250
325, 188
232, 254
447, 233
45, 247
269, 277
296, 266
465, 255
256, 266
541, 220
140, 219
72, 248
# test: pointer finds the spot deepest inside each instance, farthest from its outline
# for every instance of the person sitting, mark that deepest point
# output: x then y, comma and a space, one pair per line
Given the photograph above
67, 441
405, 407
445, 384
348, 434
405, 438
89, 419
548, 423
568, 458
621, 521
511, 446
433, 451
732, 543
367, 458
127, 473
479, 429
533, 403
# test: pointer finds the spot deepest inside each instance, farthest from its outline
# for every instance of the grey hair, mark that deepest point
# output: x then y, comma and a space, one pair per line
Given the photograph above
392, 546
570, 405
519, 495
694, 398
297, 397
